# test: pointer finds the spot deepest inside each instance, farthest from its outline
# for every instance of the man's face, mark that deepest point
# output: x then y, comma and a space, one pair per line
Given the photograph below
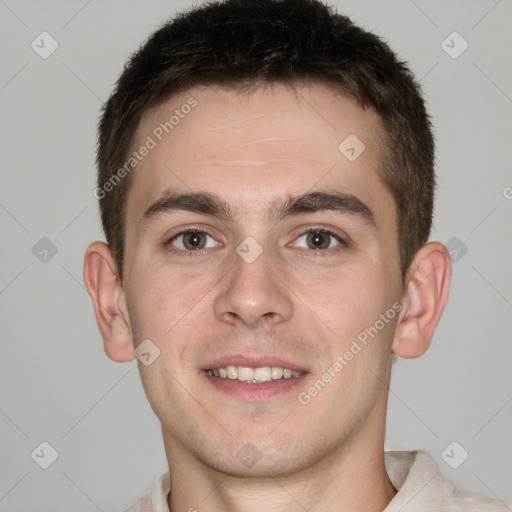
273, 282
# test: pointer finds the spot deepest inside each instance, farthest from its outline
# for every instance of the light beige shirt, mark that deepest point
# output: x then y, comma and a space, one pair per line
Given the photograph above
420, 485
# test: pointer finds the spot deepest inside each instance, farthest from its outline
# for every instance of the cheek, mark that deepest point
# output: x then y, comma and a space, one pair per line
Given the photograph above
349, 299
148, 299
164, 301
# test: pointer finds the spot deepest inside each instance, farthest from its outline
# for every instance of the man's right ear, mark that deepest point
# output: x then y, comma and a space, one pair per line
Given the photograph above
107, 294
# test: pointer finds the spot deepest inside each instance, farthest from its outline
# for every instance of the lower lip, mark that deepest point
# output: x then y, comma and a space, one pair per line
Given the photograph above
255, 391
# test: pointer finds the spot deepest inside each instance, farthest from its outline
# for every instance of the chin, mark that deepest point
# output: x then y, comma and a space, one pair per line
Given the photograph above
258, 459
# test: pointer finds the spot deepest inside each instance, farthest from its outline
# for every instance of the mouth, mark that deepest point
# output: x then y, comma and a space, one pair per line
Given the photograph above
253, 378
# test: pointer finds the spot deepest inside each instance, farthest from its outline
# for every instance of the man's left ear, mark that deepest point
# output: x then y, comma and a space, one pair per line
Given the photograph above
427, 286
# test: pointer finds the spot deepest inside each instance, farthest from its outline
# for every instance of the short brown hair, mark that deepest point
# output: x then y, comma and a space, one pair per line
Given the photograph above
245, 43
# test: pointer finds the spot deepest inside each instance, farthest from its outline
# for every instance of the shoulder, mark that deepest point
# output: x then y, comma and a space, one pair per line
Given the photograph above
143, 505
422, 487
470, 502
157, 500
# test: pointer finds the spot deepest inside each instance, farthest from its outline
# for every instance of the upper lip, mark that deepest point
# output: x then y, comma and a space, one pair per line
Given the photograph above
253, 362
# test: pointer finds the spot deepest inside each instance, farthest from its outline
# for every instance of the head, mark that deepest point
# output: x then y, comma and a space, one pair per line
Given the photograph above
295, 151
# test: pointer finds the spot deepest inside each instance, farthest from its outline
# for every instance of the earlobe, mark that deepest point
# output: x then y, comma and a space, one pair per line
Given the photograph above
106, 292
427, 290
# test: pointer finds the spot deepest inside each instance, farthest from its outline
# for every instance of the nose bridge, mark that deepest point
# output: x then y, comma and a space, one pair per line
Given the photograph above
252, 289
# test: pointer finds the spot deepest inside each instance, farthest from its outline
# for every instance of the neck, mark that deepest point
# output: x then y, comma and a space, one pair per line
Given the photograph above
351, 478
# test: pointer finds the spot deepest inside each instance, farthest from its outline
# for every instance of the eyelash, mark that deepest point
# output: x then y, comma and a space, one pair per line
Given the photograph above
200, 252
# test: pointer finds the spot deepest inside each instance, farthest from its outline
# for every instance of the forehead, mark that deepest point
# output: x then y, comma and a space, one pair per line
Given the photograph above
252, 148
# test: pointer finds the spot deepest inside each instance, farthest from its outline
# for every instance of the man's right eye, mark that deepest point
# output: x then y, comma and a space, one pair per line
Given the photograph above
191, 240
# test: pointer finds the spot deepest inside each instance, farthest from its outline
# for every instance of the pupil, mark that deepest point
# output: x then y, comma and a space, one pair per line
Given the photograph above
318, 240
194, 240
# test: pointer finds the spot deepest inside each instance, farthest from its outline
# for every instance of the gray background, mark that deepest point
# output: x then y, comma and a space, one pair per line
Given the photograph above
57, 384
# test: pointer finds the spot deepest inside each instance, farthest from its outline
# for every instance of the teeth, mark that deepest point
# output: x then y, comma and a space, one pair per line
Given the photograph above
245, 374
232, 372
277, 372
253, 375
263, 374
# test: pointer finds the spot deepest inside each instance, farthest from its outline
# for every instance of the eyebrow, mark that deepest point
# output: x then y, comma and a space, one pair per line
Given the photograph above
213, 205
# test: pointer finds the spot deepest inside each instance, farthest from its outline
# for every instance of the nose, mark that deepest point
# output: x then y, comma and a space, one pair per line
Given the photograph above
253, 293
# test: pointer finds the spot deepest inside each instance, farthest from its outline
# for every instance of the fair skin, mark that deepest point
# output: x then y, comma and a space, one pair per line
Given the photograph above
235, 445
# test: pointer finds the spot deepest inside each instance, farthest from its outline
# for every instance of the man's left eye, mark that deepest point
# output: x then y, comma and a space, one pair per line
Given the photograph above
317, 239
